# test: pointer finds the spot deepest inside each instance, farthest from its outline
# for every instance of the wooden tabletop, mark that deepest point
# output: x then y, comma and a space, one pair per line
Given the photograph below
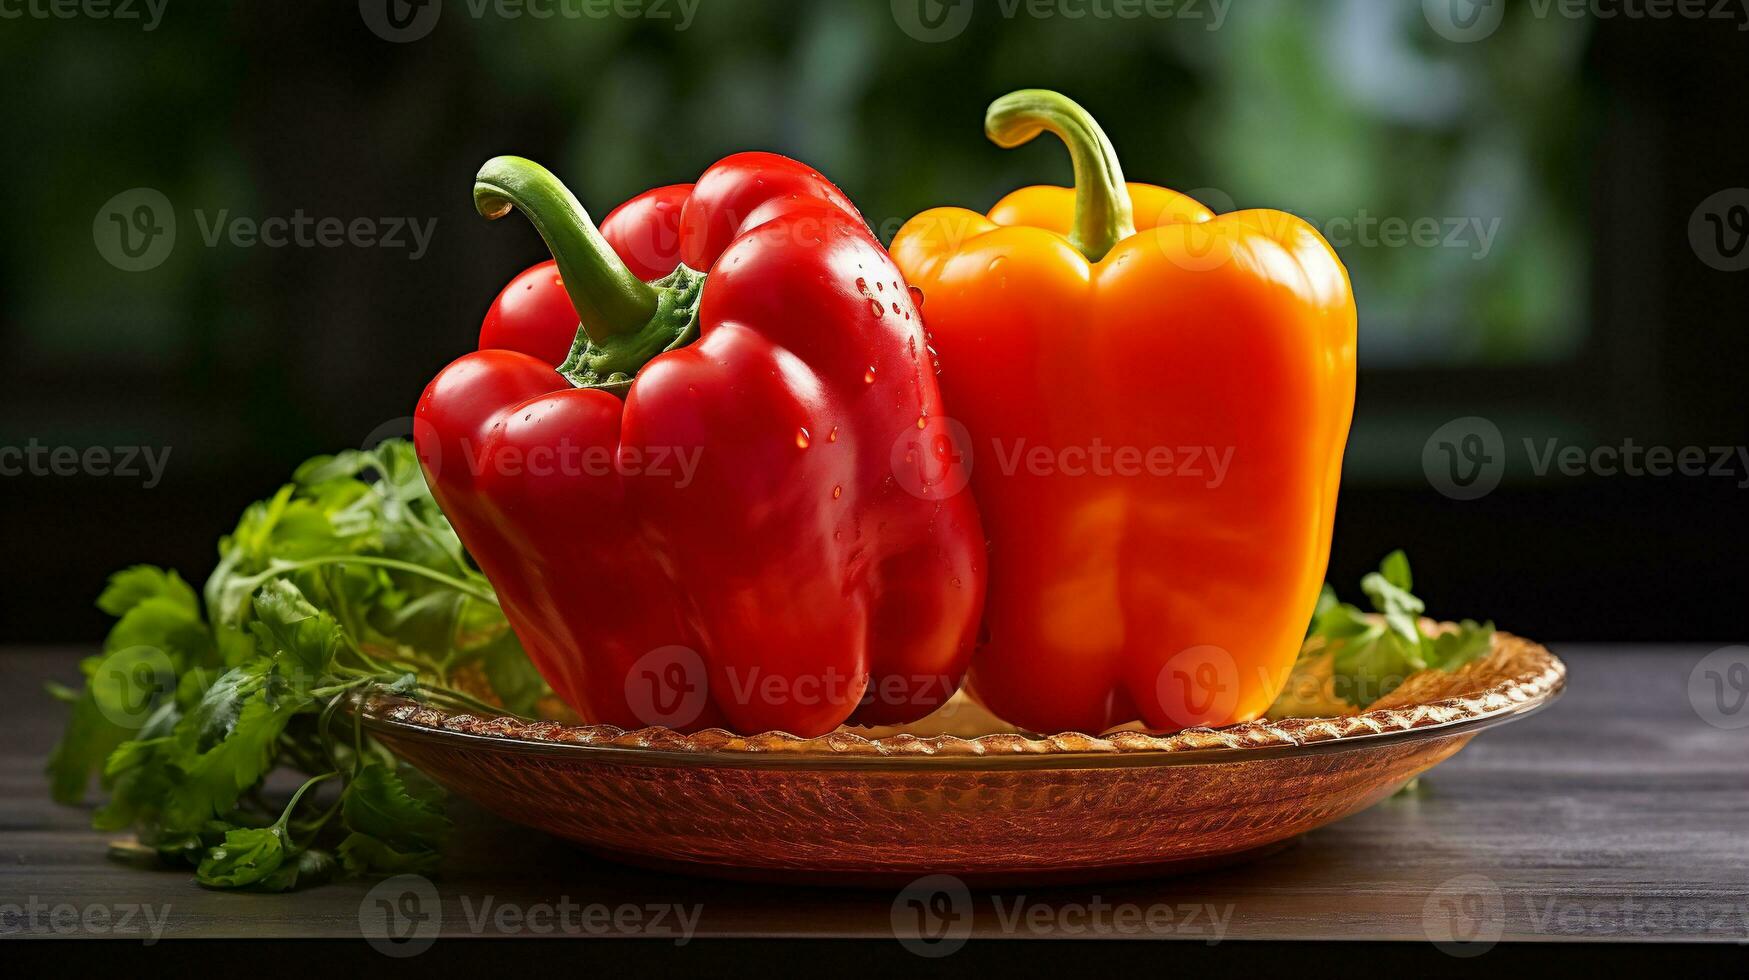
1620, 813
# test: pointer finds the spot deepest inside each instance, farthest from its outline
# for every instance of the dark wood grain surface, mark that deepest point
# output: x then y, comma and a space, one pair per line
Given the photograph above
1621, 813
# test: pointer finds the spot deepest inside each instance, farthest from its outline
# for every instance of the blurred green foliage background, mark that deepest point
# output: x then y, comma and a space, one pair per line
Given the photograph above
1343, 112
1515, 210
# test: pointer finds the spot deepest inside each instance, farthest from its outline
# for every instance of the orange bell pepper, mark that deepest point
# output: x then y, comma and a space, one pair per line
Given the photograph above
1153, 401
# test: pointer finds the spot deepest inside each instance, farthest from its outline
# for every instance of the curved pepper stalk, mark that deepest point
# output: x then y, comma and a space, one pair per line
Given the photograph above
623, 321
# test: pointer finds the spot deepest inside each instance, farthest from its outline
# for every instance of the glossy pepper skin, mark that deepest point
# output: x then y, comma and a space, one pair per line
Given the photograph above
704, 520
1128, 323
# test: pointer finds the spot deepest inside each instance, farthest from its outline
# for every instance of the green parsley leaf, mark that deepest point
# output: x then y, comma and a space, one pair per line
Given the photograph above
247, 856
363, 854
377, 803
348, 579
132, 586
1353, 657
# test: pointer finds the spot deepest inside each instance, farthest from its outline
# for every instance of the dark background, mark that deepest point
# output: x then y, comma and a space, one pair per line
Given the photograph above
1588, 143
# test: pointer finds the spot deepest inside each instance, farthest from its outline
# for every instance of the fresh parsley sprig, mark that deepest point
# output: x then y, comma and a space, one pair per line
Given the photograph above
1370, 654
348, 579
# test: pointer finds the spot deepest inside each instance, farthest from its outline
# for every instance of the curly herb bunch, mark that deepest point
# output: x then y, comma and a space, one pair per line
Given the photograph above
1365, 656
348, 580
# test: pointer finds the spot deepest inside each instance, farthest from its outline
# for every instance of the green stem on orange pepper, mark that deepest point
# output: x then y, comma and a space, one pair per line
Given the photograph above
1103, 214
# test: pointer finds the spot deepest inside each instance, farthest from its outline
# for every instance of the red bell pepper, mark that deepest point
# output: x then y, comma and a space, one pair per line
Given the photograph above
712, 512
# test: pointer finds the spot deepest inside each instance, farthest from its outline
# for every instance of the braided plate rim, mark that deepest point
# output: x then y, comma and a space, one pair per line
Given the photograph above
1517, 678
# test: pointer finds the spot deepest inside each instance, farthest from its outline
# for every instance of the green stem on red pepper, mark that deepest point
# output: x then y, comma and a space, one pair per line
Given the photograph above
1103, 213
624, 321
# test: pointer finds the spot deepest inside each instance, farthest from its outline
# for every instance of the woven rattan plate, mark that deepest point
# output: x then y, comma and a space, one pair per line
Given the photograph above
849, 809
